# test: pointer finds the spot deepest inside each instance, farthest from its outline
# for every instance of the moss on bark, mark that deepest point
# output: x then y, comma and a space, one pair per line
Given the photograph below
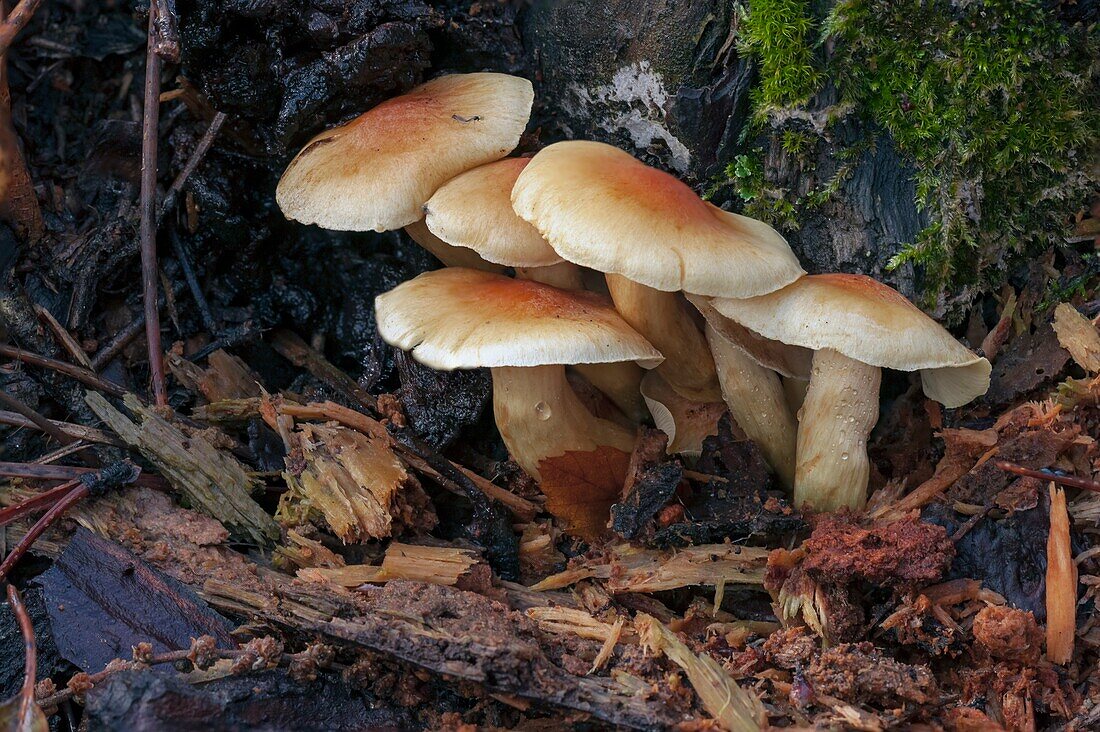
989, 100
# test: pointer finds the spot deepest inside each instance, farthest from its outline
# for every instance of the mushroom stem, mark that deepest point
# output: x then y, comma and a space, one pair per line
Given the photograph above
563, 275
449, 254
619, 382
757, 403
667, 324
836, 418
539, 416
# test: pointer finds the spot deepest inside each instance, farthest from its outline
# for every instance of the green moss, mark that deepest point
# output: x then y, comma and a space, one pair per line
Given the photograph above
991, 100
779, 34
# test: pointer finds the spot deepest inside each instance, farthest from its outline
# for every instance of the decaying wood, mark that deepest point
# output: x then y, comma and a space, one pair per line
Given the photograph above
234, 410
295, 350
734, 708
1079, 336
226, 376
351, 480
75, 431
571, 621
1061, 599
437, 565
211, 479
631, 569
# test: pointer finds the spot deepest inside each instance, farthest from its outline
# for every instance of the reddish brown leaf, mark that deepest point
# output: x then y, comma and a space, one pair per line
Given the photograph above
580, 488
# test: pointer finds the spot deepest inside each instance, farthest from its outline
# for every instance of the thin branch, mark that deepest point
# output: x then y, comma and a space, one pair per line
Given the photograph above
30, 505
171, 197
36, 419
16, 22
295, 350
75, 432
1066, 480
63, 337
148, 228
68, 472
30, 658
79, 373
39, 527
112, 476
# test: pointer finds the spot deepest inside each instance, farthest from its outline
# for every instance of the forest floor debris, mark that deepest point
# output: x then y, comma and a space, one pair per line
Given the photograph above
339, 528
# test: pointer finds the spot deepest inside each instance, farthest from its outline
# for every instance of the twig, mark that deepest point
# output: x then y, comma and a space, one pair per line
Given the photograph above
112, 476
79, 373
183, 256
30, 660
38, 529
124, 337
76, 432
295, 350
230, 337
148, 228
120, 340
197, 155
36, 419
16, 22
1066, 480
178, 245
68, 472
45, 498
285, 659
64, 337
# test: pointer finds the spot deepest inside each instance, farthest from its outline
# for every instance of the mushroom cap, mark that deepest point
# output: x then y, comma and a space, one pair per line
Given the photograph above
458, 318
474, 210
450, 255
376, 172
793, 362
601, 208
867, 321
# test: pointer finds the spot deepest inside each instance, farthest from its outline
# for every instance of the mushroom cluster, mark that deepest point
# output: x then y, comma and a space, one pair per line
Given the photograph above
584, 258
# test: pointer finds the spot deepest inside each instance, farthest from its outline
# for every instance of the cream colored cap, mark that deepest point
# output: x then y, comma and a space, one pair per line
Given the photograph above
462, 318
377, 171
601, 208
790, 361
870, 322
474, 211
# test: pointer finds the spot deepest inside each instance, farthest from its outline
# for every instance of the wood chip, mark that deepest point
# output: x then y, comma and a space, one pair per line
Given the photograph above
734, 708
434, 564
1061, 599
1079, 336
631, 569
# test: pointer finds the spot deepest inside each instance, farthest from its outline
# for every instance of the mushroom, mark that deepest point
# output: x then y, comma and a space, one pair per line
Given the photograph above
749, 368
449, 254
473, 212
525, 332
652, 236
376, 172
856, 326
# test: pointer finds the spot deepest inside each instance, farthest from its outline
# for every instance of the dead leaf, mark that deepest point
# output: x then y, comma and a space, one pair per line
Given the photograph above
1078, 336
581, 487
